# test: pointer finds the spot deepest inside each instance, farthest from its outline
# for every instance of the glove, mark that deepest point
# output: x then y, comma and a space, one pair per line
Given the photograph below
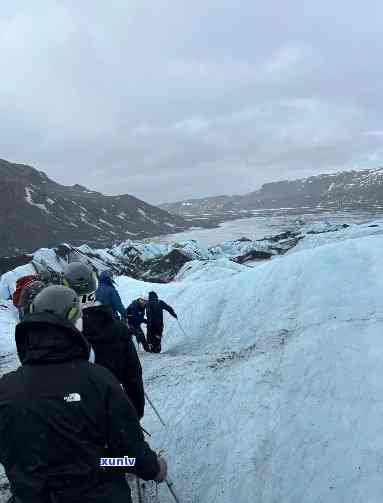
163, 472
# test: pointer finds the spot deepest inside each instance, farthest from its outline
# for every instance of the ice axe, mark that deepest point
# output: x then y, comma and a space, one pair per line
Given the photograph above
139, 494
170, 487
155, 410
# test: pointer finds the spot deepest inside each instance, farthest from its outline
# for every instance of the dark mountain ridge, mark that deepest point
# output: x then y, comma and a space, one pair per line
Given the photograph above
37, 212
348, 189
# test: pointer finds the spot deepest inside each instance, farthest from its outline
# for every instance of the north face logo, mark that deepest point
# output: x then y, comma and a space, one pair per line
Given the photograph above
72, 397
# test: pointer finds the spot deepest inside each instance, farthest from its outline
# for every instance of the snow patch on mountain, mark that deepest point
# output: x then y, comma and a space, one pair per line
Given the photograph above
142, 212
105, 222
28, 198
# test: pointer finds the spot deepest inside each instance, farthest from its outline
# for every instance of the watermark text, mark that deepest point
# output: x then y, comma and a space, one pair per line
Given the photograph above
125, 461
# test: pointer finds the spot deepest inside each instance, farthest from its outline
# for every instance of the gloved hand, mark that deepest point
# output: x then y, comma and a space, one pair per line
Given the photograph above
163, 472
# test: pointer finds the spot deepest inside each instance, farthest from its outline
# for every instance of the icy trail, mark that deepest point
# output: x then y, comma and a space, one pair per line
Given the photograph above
276, 393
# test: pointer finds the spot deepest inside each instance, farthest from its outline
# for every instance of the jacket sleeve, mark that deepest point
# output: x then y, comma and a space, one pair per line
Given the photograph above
132, 374
116, 303
168, 308
124, 434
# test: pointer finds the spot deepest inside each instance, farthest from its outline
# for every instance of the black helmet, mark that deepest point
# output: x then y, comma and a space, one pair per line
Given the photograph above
58, 300
30, 291
80, 278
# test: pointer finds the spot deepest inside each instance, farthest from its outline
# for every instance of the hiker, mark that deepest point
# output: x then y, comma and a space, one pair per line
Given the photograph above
45, 273
61, 416
28, 293
135, 314
108, 295
24, 293
110, 338
21, 283
155, 321
66, 253
63, 251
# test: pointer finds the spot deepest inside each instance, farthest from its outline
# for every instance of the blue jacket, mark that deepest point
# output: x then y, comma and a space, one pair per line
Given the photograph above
135, 314
107, 295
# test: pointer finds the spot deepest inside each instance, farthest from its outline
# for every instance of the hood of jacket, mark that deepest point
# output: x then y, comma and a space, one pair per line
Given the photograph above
153, 297
98, 323
46, 338
105, 279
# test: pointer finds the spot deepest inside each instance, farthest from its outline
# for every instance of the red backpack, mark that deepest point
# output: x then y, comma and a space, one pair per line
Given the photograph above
20, 284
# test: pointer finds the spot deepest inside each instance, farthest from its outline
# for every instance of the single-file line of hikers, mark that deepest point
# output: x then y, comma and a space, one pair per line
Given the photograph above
78, 396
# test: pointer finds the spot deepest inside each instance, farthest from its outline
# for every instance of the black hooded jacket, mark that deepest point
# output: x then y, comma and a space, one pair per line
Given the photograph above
59, 414
115, 350
154, 314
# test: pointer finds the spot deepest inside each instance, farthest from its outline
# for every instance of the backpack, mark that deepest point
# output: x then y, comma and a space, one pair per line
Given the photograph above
20, 284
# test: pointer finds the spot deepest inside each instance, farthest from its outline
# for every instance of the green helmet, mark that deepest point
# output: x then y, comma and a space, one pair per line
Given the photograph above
58, 300
80, 278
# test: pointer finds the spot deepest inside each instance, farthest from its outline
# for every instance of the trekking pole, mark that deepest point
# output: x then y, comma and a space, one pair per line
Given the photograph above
155, 410
139, 495
170, 487
183, 331
146, 432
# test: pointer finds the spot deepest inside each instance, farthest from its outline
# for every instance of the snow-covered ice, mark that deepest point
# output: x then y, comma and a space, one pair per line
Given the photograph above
260, 226
274, 393
198, 270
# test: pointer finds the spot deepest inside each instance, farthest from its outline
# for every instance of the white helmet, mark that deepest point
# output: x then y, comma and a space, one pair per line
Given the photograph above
143, 296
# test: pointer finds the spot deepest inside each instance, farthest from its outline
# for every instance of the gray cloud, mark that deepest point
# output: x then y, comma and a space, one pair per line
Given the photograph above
168, 100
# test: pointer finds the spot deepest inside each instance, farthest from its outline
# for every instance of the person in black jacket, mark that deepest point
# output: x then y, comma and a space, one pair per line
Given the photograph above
60, 415
114, 349
109, 337
155, 321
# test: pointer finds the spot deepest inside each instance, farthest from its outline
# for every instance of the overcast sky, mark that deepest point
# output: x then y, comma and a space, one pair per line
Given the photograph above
168, 100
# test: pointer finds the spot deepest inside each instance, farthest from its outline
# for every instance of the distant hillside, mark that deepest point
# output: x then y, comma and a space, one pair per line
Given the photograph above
36, 211
350, 189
